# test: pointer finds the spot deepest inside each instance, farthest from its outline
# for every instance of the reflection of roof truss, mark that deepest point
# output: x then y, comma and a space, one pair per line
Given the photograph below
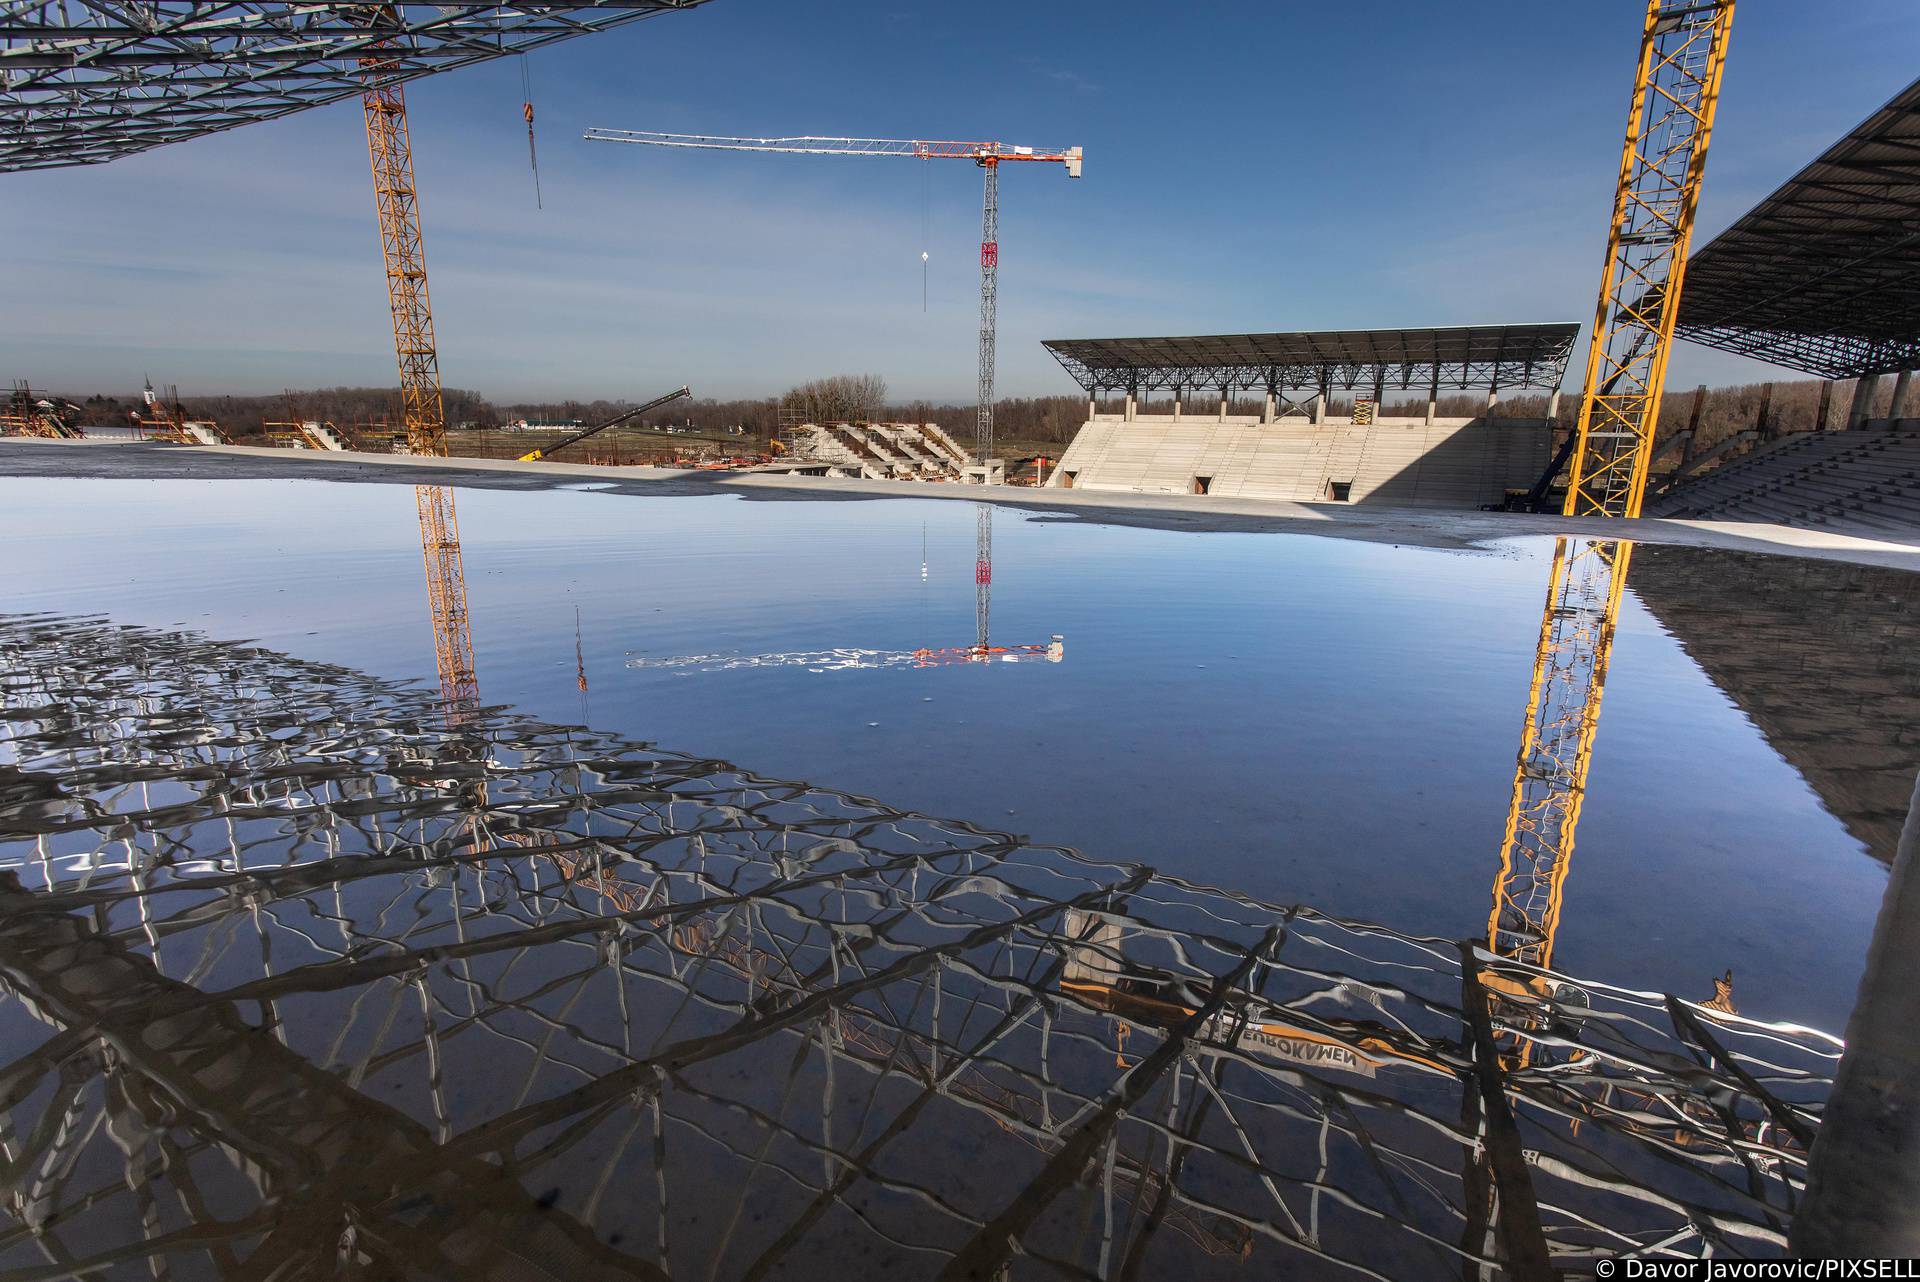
81, 84
622, 974
1465, 356
1824, 274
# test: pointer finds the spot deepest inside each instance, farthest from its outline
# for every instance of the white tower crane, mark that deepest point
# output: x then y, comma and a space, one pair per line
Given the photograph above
987, 155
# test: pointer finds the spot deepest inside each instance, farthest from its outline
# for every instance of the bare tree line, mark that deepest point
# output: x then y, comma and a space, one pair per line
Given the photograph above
1039, 420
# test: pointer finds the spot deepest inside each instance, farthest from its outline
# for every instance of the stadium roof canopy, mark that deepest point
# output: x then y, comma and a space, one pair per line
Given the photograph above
89, 82
1467, 356
1824, 274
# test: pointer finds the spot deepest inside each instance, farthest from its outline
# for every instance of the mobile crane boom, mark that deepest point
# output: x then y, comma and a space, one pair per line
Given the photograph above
654, 404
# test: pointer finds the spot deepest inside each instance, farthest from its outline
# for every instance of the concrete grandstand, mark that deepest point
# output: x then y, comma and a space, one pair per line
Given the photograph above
1295, 447
1822, 276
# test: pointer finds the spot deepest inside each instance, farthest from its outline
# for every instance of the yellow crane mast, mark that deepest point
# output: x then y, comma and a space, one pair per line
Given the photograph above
390, 147
1676, 85
396, 199
1683, 50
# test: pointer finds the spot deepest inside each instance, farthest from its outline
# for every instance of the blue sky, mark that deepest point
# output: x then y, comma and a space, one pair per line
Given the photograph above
1249, 167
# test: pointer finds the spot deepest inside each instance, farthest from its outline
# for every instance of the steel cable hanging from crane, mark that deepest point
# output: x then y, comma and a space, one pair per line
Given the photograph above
526, 109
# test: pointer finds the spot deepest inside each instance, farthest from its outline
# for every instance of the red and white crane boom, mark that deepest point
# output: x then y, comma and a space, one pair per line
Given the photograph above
988, 155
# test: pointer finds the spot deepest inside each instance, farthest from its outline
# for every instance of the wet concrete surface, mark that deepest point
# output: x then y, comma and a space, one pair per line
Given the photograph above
1197, 514
309, 973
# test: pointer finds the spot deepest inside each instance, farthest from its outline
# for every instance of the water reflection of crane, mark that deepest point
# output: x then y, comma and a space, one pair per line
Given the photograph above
1669, 122
983, 650
447, 597
1556, 746
837, 658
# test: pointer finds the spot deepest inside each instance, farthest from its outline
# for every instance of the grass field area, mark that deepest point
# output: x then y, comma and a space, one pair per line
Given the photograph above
616, 445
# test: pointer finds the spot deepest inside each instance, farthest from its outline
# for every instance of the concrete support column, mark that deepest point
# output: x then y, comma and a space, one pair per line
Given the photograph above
1765, 426
1493, 398
1178, 391
1692, 434
1899, 407
1433, 397
1319, 414
1826, 400
1553, 406
1224, 390
1126, 412
1093, 408
1863, 1177
1862, 404
1266, 415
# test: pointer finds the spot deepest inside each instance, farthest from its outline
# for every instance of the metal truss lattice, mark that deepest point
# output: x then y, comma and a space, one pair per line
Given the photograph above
1824, 274
298, 974
87, 81
1478, 356
1556, 744
1683, 52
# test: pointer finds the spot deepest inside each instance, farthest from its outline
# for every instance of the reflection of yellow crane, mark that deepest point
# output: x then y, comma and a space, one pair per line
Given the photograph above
1556, 745
1682, 53
447, 595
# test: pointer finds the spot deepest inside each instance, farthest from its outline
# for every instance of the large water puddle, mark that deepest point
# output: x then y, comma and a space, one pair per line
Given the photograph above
793, 884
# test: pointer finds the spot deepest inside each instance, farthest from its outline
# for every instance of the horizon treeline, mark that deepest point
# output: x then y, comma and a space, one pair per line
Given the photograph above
1043, 419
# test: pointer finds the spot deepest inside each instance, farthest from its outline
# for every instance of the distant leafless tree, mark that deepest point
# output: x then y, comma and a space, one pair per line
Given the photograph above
841, 398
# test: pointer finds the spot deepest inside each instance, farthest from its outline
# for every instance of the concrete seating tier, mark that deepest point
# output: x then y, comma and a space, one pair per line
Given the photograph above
1462, 463
1865, 481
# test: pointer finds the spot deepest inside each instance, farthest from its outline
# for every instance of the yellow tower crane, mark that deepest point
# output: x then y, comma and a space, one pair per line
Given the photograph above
1676, 86
1683, 50
396, 199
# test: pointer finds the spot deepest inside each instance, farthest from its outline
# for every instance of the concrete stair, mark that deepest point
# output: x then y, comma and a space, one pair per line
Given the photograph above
943, 444
330, 437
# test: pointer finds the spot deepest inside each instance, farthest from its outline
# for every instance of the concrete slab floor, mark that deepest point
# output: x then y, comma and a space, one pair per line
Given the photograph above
1421, 527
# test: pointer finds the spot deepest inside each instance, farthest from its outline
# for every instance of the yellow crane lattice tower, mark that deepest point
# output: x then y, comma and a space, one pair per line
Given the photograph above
396, 200
1683, 49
